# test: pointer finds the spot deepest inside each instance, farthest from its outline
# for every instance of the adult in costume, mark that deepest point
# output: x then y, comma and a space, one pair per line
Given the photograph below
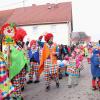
95, 69
14, 40
17, 70
48, 61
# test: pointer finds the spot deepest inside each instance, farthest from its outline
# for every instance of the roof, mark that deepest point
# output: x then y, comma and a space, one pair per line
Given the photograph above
77, 36
39, 14
5, 15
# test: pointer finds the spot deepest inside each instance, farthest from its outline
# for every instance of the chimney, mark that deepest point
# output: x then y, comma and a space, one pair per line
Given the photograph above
49, 5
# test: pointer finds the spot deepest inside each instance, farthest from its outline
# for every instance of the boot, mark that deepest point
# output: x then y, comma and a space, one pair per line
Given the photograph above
36, 81
98, 83
94, 85
29, 82
57, 84
47, 88
69, 86
60, 76
7, 98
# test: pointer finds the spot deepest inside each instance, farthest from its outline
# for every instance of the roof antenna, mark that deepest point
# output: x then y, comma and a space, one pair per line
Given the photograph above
23, 3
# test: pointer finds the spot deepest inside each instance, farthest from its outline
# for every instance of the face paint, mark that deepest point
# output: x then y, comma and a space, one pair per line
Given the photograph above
50, 42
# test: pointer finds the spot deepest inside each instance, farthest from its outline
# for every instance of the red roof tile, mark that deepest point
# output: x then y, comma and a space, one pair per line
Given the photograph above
42, 14
4, 16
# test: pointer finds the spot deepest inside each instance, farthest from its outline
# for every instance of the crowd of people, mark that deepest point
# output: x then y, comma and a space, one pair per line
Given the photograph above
36, 57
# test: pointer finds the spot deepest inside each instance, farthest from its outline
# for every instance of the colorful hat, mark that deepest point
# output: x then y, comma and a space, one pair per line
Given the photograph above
48, 36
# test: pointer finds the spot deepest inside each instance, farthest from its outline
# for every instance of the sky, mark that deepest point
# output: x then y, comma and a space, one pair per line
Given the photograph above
86, 14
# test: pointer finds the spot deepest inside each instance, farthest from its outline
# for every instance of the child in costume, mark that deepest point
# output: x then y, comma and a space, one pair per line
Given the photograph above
34, 62
48, 61
62, 66
6, 88
73, 70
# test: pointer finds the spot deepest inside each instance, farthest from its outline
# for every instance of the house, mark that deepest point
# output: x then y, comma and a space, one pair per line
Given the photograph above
79, 37
39, 19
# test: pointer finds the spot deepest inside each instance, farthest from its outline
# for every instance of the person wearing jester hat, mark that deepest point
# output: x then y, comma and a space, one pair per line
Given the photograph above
6, 88
48, 61
34, 62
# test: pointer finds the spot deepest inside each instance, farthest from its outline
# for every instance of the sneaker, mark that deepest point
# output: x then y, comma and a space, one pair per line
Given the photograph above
36, 81
69, 86
29, 82
57, 85
47, 88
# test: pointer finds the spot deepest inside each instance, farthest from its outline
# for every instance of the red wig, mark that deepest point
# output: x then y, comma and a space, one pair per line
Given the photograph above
6, 25
48, 36
20, 34
32, 42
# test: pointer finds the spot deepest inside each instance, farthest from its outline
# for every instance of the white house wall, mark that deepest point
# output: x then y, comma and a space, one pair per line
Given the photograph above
60, 32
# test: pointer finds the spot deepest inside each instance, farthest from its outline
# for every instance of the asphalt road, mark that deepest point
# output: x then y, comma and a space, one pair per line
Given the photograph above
81, 92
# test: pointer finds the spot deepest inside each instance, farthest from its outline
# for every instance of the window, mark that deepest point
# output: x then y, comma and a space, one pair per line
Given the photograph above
53, 28
35, 29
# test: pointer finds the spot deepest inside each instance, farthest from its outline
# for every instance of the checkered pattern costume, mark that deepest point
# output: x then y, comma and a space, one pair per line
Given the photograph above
72, 69
50, 71
34, 67
16, 84
73, 72
5, 85
19, 80
23, 77
50, 63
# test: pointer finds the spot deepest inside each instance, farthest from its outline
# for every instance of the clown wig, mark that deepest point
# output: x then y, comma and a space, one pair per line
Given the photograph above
32, 42
48, 36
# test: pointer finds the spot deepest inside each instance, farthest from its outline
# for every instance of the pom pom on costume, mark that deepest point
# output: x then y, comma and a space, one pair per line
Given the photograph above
32, 42
40, 38
66, 58
48, 36
95, 51
20, 34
